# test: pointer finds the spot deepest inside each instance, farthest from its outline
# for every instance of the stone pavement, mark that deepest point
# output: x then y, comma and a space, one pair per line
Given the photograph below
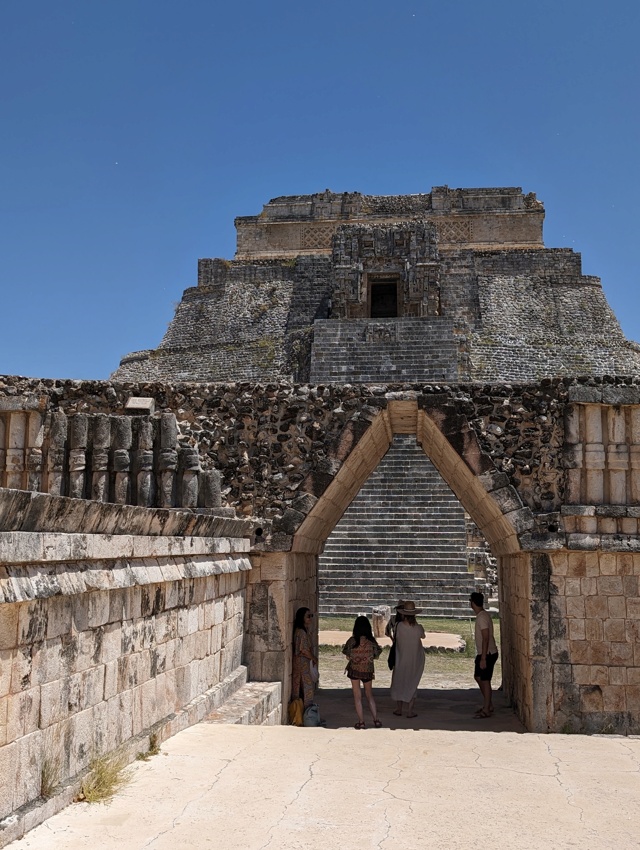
282, 788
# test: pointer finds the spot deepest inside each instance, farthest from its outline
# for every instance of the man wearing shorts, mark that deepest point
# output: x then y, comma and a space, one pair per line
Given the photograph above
487, 654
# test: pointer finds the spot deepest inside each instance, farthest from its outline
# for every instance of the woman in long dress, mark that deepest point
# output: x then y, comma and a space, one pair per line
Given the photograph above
409, 665
302, 684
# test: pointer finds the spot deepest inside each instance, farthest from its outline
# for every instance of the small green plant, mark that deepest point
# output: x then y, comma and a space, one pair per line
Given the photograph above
107, 775
49, 777
154, 748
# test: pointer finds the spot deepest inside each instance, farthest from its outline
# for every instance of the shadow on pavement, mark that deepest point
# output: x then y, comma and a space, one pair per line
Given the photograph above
450, 710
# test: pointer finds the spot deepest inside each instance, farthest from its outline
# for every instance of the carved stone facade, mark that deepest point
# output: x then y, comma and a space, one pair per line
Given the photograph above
546, 471
460, 277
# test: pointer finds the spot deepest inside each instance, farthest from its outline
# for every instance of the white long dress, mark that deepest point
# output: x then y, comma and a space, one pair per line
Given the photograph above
409, 664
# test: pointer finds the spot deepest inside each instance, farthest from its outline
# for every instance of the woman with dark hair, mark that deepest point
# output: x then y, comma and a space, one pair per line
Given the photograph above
409, 664
362, 649
303, 684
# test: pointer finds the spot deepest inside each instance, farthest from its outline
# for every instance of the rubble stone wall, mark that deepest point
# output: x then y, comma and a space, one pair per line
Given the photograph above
547, 471
100, 649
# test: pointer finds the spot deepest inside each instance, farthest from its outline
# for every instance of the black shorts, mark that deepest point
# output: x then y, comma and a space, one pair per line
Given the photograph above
486, 674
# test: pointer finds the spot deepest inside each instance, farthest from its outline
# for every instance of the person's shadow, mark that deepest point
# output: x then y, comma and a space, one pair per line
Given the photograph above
451, 710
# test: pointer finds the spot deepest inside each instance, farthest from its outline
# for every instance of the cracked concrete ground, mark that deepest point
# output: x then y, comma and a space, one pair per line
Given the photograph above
280, 788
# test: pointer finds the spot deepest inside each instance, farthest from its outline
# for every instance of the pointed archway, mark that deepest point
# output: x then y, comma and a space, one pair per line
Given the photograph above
453, 449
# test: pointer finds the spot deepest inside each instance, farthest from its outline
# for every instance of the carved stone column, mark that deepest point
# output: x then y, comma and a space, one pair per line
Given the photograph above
78, 434
16, 442
190, 465
634, 452
168, 460
122, 440
100, 457
210, 496
56, 453
594, 455
617, 456
145, 484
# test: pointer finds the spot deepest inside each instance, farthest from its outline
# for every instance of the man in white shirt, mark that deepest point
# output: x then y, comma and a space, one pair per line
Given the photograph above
487, 654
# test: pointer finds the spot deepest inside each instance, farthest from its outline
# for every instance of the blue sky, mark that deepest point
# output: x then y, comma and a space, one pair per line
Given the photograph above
134, 131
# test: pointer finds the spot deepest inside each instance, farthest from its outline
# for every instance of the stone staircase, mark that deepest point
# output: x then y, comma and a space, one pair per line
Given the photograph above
402, 537
254, 704
390, 350
248, 703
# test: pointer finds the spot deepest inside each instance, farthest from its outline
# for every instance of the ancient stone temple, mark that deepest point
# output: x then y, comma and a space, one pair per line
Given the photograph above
453, 285
373, 392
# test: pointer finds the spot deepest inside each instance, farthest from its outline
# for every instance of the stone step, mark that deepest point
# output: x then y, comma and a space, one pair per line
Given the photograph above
253, 704
404, 535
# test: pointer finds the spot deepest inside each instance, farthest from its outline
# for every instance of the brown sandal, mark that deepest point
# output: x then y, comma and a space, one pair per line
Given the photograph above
359, 726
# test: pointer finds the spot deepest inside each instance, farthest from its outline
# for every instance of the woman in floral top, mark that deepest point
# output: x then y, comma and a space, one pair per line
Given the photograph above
362, 649
303, 684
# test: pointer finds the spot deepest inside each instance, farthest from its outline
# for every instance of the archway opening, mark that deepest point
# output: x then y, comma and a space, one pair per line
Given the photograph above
403, 417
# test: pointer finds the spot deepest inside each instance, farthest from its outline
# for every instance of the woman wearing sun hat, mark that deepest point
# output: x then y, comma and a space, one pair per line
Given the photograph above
409, 665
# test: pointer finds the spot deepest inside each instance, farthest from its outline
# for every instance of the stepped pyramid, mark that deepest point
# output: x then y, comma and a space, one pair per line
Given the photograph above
402, 537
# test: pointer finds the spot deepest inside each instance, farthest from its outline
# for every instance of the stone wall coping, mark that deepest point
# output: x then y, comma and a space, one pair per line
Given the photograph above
23, 510
33, 547
27, 582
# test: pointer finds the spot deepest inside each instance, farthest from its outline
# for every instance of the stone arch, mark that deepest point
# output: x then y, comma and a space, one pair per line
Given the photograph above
452, 446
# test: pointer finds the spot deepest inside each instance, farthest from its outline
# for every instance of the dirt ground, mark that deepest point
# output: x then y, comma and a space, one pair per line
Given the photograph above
443, 671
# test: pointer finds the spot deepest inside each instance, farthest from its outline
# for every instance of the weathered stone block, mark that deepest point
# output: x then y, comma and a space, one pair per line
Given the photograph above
597, 607
591, 698
8, 626
614, 630
614, 698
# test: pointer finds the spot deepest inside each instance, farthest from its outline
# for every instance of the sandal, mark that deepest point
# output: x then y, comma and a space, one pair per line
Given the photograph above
359, 726
377, 723
480, 715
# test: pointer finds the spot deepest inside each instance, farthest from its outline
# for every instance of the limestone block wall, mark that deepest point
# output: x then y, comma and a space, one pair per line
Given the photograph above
104, 638
514, 588
595, 641
279, 584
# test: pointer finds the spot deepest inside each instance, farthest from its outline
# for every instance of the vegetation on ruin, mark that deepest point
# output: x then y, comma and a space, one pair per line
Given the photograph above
49, 777
154, 748
107, 775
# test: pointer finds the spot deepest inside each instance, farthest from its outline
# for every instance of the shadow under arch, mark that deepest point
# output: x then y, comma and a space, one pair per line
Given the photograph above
453, 448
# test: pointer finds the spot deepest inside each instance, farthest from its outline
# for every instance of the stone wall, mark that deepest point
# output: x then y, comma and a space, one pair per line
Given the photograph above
595, 641
106, 639
299, 224
545, 470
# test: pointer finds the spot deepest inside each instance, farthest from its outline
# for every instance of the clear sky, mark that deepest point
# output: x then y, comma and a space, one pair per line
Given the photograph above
134, 131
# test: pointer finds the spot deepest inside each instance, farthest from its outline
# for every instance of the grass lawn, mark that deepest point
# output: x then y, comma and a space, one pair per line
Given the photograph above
464, 628
442, 669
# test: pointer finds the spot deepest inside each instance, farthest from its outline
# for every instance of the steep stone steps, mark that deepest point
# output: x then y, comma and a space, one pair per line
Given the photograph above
403, 536
369, 350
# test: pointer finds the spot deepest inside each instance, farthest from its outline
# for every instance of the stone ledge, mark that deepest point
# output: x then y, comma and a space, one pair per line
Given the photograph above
26, 582
23, 510
29, 547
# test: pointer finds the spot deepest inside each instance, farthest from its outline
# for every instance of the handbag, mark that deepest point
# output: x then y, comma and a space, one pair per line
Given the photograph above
311, 715
313, 670
296, 712
391, 660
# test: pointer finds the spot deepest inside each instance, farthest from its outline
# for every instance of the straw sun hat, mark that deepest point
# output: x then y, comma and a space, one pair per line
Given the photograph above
409, 608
